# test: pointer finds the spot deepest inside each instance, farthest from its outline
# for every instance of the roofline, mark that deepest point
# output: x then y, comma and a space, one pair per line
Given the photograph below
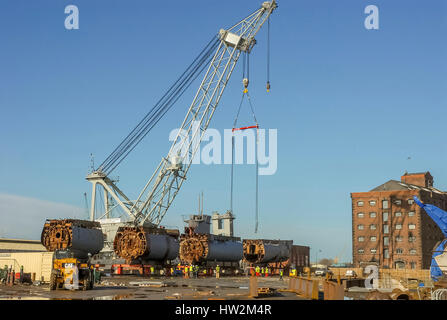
417, 188
416, 173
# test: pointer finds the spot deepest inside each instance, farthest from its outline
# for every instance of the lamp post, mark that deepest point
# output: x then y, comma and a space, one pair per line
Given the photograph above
316, 257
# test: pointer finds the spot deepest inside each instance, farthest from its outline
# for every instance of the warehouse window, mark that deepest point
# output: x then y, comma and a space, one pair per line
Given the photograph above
386, 228
373, 250
398, 226
398, 202
373, 238
399, 251
413, 251
385, 204
372, 214
398, 214
361, 251
411, 239
361, 239
372, 203
372, 227
386, 253
360, 203
360, 227
386, 241
411, 226
399, 239
411, 213
385, 216
360, 215
410, 201
413, 265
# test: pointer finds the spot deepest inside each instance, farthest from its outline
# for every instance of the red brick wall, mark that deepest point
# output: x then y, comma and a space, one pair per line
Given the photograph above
426, 232
422, 179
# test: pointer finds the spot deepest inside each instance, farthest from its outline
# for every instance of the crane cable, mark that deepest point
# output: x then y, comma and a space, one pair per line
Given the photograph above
245, 81
160, 108
268, 55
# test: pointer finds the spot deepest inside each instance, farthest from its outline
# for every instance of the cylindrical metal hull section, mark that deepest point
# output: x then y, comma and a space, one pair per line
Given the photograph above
162, 247
77, 236
275, 253
147, 244
224, 251
87, 240
198, 248
265, 251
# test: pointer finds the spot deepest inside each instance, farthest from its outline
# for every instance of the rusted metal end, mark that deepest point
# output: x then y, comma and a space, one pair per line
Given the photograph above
193, 248
263, 251
254, 250
58, 234
131, 242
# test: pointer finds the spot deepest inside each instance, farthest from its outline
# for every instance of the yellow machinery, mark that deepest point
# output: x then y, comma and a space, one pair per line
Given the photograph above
71, 273
73, 243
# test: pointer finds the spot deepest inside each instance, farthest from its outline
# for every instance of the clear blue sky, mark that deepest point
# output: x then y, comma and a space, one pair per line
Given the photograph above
350, 105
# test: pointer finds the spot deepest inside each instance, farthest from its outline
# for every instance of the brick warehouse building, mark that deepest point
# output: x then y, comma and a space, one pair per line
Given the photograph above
389, 229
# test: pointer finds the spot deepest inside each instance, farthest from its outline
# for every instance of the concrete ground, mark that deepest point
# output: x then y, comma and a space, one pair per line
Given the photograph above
155, 288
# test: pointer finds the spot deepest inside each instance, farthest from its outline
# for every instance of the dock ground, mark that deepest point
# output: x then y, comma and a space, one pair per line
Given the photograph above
156, 288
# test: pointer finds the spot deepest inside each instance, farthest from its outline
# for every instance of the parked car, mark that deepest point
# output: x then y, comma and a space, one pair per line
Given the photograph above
350, 274
320, 272
323, 272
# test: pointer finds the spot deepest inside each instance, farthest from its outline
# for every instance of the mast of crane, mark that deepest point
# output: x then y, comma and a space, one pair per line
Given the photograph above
157, 195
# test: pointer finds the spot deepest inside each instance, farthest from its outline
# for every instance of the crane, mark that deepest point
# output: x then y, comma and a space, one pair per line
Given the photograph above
154, 200
340, 254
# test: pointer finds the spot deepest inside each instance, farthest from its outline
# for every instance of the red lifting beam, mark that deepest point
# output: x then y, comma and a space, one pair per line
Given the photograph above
244, 128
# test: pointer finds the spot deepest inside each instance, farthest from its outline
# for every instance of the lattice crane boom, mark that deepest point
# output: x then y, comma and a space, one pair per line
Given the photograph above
157, 195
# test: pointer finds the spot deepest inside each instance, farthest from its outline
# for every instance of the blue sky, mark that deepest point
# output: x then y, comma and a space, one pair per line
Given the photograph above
350, 106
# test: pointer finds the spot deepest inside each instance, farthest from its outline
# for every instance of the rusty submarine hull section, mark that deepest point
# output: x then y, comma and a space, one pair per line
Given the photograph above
146, 244
80, 237
201, 248
261, 251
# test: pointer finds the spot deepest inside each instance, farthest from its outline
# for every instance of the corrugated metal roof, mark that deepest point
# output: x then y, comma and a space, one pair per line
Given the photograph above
20, 245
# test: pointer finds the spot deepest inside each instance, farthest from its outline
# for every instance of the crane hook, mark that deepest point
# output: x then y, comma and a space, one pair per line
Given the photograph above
245, 82
268, 86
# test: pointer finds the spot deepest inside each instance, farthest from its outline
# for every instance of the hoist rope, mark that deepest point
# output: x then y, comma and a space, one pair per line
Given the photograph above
248, 66
268, 55
256, 155
257, 181
257, 163
160, 108
244, 57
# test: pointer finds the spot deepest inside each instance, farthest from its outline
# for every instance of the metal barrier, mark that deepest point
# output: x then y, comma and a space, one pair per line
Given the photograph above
309, 288
305, 287
333, 291
253, 287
